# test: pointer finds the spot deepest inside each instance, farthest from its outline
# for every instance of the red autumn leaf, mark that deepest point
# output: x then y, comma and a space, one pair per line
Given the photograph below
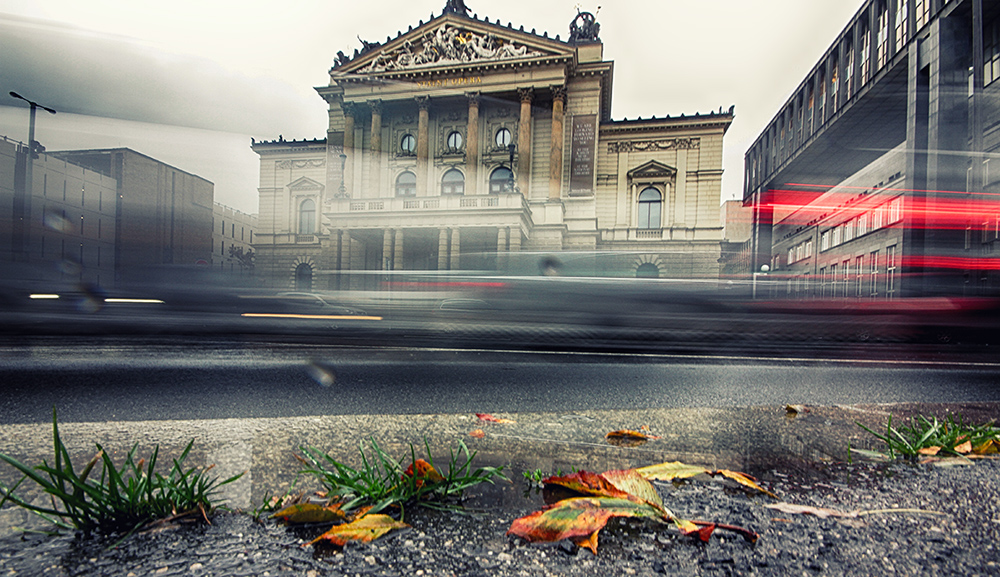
587, 483
491, 419
422, 471
578, 519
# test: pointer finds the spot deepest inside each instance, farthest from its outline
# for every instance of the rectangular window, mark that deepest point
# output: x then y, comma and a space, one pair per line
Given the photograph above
223, 228
222, 248
846, 266
849, 73
849, 230
874, 273
991, 52
859, 270
890, 272
877, 215
809, 248
822, 282
866, 50
863, 224
833, 280
835, 74
920, 11
838, 235
242, 232
902, 26
233, 231
791, 255
882, 37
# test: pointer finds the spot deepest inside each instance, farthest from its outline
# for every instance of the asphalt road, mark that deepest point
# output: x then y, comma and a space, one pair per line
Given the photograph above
94, 381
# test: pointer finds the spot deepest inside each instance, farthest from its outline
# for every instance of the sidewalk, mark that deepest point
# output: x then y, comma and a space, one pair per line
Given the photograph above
794, 456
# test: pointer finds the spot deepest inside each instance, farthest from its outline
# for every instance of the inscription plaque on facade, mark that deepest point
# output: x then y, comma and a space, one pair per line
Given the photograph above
581, 164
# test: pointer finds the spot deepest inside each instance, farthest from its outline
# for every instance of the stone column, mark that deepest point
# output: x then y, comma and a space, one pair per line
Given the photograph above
349, 111
397, 254
386, 249
556, 155
524, 139
472, 146
455, 249
443, 249
375, 160
515, 239
423, 143
501, 248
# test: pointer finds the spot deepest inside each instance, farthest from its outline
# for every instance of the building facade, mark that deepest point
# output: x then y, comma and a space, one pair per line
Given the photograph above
232, 240
163, 215
64, 228
874, 179
463, 145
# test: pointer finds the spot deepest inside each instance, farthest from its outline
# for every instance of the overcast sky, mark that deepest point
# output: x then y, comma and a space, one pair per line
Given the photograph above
189, 82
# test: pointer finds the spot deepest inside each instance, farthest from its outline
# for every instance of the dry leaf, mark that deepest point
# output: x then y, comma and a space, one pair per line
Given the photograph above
477, 434
807, 510
965, 447
363, 530
491, 419
929, 451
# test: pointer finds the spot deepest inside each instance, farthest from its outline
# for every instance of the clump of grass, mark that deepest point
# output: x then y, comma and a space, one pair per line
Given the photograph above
118, 498
381, 481
925, 435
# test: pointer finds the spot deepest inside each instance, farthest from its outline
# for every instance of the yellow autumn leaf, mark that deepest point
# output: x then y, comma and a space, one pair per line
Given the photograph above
309, 513
988, 448
670, 471
363, 530
745, 480
965, 447
930, 451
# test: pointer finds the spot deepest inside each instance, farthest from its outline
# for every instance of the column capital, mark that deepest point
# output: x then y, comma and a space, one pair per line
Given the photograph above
423, 101
558, 93
350, 109
526, 94
473, 98
375, 105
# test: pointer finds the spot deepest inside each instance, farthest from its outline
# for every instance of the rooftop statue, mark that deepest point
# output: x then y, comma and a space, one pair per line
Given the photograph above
584, 28
456, 7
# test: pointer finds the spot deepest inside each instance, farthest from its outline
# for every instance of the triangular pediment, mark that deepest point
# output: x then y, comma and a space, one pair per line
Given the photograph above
449, 41
652, 169
305, 183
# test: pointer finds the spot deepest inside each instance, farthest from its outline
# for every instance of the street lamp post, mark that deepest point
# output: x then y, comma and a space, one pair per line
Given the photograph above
23, 223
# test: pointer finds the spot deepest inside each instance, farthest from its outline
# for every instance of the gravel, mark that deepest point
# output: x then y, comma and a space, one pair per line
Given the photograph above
963, 541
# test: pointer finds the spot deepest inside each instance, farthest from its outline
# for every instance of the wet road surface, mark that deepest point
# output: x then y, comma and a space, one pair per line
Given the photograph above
171, 381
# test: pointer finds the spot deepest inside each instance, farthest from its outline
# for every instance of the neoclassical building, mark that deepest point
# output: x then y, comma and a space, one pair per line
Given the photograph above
463, 144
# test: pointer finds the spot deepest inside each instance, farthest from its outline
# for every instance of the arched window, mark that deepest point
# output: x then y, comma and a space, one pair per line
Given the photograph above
406, 184
647, 270
501, 180
304, 278
649, 208
408, 144
454, 142
502, 138
453, 182
307, 217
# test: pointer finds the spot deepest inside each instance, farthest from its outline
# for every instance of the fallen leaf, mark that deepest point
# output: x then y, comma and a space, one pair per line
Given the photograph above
310, 513
929, 451
628, 438
670, 471
965, 447
422, 471
579, 519
587, 483
477, 434
363, 530
988, 448
743, 479
796, 409
491, 419
677, 470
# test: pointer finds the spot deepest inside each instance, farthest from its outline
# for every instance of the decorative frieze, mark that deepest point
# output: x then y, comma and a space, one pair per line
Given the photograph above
313, 163
648, 145
448, 45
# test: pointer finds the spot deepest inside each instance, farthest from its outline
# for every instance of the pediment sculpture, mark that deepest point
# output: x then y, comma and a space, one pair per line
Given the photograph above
448, 45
